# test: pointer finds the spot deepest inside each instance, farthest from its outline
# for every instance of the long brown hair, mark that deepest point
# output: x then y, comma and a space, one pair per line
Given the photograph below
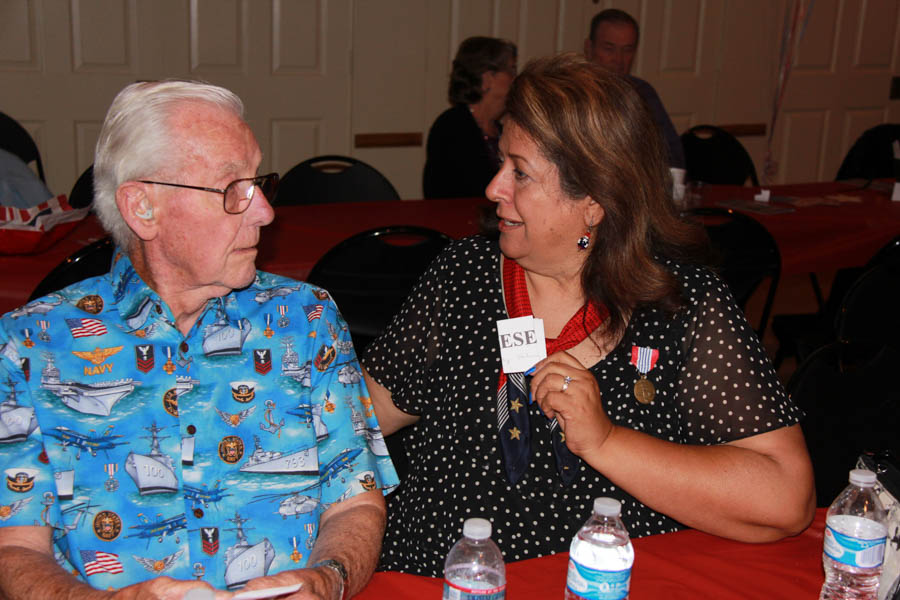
592, 125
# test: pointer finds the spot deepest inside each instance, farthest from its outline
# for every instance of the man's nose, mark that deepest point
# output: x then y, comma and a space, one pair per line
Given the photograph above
261, 211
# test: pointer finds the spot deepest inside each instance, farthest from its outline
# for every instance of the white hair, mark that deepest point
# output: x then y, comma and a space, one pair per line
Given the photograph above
135, 140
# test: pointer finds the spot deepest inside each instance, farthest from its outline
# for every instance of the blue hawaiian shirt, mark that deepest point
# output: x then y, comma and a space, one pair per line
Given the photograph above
208, 456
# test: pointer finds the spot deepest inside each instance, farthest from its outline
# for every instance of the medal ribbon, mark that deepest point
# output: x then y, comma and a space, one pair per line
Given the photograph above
512, 392
644, 359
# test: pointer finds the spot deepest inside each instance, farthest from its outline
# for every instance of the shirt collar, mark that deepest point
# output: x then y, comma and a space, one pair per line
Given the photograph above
141, 308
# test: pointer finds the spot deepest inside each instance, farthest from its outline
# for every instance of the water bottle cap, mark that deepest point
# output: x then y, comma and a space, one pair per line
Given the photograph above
862, 477
477, 529
607, 507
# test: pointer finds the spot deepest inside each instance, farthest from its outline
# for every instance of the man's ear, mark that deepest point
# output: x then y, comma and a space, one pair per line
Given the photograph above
138, 210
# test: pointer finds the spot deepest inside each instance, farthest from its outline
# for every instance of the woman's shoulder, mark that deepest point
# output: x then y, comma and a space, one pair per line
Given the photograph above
697, 281
470, 252
452, 119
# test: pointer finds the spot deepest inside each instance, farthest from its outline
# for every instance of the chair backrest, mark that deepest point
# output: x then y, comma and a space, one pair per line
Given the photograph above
370, 274
889, 253
848, 392
333, 178
15, 139
82, 193
868, 311
713, 155
92, 260
748, 254
871, 155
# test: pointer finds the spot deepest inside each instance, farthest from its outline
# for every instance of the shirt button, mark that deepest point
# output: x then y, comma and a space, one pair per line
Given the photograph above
198, 512
183, 347
191, 429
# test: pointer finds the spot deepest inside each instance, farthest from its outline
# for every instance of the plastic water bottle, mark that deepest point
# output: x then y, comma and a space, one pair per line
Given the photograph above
600, 556
855, 533
474, 569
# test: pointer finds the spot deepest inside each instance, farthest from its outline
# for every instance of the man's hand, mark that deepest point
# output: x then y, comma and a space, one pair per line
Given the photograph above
166, 588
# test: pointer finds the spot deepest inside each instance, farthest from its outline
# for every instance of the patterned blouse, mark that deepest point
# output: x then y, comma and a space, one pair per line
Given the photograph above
440, 359
208, 456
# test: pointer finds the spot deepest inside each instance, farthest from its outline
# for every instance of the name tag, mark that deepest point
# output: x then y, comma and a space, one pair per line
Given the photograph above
522, 343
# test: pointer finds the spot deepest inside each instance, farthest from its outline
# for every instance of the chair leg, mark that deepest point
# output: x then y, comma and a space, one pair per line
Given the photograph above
767, 307
779, 357
817, 290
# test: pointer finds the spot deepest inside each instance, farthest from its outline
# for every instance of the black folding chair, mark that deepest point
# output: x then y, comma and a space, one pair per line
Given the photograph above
92, 260
82, 193
869, 311
15, 139
370, 274
848, 392
871, 156
333, 178
712, 155
799, 334
747, 252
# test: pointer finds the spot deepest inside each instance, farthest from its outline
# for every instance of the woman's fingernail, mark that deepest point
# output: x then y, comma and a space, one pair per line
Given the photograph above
531, 370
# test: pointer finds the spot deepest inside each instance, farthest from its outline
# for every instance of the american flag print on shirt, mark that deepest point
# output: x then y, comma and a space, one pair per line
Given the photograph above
86, 327
313, 311
100, 562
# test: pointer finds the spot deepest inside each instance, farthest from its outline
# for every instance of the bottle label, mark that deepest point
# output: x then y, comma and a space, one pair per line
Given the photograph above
462, 590
856, 552
595, 584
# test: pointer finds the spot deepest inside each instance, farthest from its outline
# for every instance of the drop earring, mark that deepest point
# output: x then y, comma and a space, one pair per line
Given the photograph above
585, 240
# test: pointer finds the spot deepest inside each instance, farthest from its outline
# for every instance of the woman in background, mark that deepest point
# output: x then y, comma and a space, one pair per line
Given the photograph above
461, 155
655, 391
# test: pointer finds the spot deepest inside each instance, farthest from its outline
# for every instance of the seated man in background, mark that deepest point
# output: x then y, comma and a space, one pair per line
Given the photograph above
187, 429
612, 44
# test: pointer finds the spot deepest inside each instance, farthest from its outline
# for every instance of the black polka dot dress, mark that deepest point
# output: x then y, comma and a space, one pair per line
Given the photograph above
440, 360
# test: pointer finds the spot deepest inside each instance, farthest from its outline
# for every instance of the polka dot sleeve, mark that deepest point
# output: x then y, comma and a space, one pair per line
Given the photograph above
727, 387
401, 357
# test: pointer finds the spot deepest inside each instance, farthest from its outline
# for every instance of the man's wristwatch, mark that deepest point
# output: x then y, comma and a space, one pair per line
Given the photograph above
339, 568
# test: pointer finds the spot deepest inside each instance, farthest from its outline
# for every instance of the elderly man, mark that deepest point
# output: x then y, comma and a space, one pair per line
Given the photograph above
185, 421
612, 44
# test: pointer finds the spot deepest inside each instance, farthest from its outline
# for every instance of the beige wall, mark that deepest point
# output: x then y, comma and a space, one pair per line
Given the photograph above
316, 73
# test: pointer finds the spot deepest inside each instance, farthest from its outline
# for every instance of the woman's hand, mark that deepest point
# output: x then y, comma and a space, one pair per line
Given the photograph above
575, 402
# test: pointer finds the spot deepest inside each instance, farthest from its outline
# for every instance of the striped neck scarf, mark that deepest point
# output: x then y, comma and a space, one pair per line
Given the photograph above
512, 394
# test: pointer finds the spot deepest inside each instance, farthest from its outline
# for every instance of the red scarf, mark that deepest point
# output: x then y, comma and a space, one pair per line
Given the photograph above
588, 318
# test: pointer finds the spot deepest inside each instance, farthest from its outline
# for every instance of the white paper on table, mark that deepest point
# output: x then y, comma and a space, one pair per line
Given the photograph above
522, 343
762, 196
272, 592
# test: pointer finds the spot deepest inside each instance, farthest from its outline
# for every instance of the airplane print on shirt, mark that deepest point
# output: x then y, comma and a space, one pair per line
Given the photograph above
151, 452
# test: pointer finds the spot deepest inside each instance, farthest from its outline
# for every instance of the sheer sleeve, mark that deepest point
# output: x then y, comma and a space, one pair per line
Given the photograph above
727, 387
400, 359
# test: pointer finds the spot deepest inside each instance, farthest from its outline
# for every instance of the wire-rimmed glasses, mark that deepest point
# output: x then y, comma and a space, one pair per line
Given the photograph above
238, 194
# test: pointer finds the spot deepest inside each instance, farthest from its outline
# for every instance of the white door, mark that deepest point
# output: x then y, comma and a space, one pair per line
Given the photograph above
62, 62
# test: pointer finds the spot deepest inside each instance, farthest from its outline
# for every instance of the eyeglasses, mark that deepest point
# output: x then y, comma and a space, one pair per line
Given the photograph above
238, 194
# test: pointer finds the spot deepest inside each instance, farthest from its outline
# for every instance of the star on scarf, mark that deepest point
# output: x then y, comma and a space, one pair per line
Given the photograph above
515, 405
514, 433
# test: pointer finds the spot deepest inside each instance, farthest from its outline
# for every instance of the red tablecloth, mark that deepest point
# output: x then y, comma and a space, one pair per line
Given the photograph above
300, 235
676, 566
290, 246
814, 238
822, 238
